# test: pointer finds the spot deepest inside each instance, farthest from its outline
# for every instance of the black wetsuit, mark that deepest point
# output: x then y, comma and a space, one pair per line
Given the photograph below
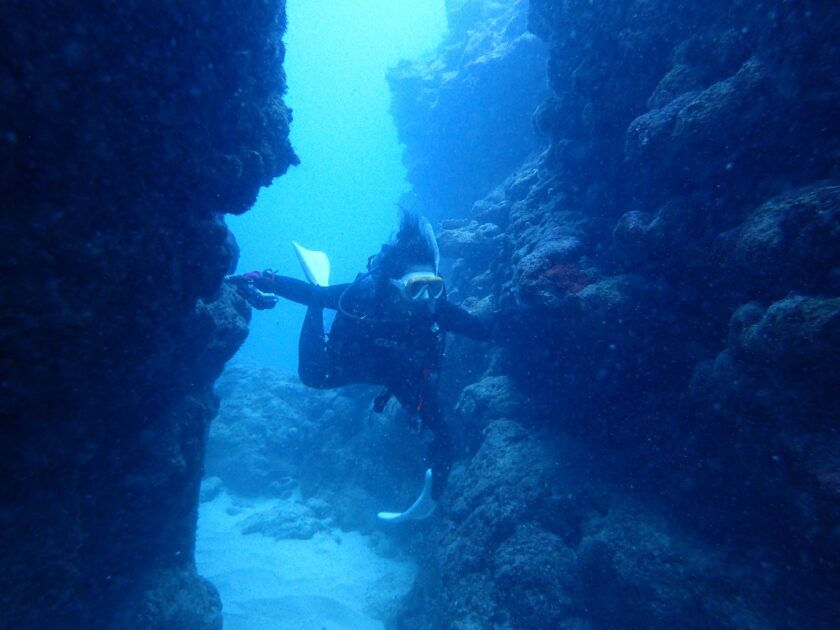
372, 341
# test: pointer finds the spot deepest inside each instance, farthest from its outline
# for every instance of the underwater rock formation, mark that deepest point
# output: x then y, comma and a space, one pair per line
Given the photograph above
674, 253
127, 131
530, 541
464, 112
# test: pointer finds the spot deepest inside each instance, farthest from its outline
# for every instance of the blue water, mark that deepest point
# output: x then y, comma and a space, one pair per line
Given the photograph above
342, 198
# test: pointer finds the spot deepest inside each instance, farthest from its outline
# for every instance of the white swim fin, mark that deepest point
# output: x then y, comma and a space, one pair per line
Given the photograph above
422, 508
315, 265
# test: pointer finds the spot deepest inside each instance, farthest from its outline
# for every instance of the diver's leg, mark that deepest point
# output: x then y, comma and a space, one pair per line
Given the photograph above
313, 362
304, 292
440, 452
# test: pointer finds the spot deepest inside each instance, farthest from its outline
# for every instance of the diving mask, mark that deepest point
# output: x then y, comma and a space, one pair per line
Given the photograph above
419, 286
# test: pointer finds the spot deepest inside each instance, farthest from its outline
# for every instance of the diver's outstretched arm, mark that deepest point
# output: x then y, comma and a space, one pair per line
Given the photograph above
453, 318
269, 283
500, 325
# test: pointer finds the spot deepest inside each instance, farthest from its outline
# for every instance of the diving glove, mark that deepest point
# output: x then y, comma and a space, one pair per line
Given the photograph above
246, 286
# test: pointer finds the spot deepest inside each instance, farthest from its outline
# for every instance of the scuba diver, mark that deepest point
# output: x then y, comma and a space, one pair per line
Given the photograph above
389, 330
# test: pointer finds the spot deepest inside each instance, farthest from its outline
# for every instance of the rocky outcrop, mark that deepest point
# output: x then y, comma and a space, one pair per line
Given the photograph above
464, 112
127, 131
673, 254
530, 541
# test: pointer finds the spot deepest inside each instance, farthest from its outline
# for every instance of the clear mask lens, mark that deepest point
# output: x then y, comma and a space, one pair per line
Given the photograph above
423, 289
416, 290
436, 289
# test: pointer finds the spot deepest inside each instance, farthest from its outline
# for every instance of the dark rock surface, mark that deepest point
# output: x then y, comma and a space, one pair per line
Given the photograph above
530, 541
675, 253
127, 130
464, 112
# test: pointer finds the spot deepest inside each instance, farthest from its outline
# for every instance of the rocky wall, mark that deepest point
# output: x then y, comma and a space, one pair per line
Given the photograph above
464, 111
128, 129
673, 254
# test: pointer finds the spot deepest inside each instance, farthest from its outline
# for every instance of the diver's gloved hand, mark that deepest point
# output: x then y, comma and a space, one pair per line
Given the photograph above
252, 287
260, 279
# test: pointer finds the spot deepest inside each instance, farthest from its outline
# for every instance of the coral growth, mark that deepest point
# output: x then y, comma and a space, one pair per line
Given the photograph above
129, 128
674, 254
567, 277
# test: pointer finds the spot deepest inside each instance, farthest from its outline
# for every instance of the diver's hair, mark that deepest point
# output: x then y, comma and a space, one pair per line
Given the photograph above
410, 246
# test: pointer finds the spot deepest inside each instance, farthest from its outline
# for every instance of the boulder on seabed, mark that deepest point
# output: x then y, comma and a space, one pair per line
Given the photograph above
285, 520
211, 487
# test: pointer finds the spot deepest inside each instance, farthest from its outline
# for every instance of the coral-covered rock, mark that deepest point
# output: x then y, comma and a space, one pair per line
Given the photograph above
699, 61
790, 241
797, 334
506, 479
634, 568
172, 599
673, 254
781, 363
455, 152
777, 382
701, 136
474, 240
525, 544
128, 130
530, 572
490, 399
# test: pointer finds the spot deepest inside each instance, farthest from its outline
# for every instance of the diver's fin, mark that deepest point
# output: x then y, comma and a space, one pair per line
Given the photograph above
422, 508
315, 265
429, 236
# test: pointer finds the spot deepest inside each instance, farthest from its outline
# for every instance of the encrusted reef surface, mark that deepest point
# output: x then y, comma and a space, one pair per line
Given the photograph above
127, 130
464, 112
658, 445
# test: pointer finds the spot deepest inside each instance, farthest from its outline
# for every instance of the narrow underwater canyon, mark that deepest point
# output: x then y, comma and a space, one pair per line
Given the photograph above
651, 187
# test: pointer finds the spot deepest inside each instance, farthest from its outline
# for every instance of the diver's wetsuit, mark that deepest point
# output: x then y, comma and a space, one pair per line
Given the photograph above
371, 341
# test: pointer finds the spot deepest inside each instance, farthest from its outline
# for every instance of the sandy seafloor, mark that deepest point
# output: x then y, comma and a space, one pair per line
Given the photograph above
332, 581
